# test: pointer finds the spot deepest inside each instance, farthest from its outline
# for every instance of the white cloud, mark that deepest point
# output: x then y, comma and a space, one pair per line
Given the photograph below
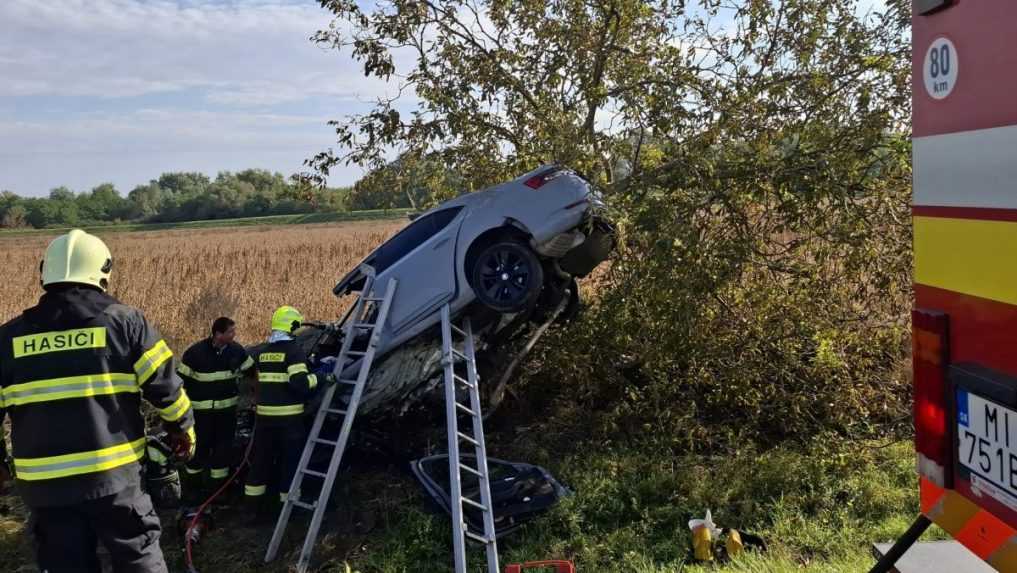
161, 130
116, 48
188, 79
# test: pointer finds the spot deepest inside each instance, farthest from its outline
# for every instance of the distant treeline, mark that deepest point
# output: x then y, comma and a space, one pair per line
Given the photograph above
173, 197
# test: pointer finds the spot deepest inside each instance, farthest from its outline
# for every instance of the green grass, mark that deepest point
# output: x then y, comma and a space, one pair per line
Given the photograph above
819, 507
301, 219
819, 503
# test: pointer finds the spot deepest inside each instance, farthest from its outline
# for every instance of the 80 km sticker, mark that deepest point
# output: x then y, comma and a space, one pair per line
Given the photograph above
940, 68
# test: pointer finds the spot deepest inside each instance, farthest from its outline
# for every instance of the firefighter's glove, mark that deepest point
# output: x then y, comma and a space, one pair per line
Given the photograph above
182, 443
325, 368
159, 452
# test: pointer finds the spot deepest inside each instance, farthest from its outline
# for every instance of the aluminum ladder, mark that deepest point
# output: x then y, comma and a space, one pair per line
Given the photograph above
377, 312
453, 408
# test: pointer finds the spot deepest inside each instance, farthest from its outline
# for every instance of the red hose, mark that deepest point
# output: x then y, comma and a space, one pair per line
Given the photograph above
222, 488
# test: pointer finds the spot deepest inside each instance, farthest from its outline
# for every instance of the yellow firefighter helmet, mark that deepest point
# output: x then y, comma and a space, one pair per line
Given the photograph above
286, 319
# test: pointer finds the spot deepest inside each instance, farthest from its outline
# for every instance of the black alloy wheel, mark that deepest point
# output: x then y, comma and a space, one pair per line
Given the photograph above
507, 276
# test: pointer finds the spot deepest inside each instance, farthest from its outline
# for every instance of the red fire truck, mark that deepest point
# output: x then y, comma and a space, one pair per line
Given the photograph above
964, 69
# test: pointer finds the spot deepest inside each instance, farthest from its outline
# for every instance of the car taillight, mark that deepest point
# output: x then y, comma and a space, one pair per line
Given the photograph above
930, 344
538, 180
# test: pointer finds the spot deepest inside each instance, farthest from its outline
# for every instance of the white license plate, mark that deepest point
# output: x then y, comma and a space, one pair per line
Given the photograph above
987, 445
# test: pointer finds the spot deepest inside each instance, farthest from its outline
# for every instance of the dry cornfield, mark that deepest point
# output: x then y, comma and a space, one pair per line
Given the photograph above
183, 279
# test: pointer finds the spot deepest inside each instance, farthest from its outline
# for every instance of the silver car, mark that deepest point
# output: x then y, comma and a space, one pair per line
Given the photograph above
505, 256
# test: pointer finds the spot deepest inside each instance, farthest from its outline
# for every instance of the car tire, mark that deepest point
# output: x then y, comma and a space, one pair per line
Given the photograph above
507, 276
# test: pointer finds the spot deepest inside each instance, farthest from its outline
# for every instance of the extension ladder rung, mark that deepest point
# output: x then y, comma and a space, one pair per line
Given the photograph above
315, 473
478, 538
468, 439
365, 325
465, 410
473, 471
336, 411
355, 353
462, 381
458, 354
324, 441
302, 505
479, 506
347, 381
458, 330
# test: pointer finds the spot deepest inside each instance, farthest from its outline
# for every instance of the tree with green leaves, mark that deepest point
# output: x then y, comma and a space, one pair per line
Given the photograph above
503, 85
14, 217
51, 212
146, 200
103, 203
12, 211
756, 156
61, 194
173, 197
409, 181
182, 183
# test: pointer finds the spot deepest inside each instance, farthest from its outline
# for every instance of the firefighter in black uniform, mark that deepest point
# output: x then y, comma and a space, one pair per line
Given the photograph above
284, 385
73, 371
211, 369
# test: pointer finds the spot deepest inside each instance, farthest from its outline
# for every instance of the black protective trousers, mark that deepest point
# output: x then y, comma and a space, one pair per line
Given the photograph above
278, 444
214, 430
66, 537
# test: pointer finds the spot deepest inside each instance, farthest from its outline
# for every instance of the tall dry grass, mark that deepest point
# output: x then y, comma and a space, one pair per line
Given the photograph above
184, 279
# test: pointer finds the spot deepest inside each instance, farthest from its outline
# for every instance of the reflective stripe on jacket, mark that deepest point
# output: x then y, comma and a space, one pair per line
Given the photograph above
284, 382
211, 374
73, 371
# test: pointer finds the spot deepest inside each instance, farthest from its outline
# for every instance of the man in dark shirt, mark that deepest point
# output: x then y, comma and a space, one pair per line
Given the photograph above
211, 369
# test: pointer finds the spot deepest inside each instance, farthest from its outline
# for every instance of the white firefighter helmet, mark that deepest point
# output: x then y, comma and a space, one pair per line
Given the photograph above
77, 257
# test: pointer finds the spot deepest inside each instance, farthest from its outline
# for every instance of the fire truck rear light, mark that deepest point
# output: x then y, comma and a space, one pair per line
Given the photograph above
931, 406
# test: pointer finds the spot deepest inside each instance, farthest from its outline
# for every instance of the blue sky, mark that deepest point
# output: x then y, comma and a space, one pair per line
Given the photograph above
124, 90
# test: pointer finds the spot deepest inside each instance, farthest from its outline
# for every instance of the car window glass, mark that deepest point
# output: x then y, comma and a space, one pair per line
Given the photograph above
412, 237
444, 217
